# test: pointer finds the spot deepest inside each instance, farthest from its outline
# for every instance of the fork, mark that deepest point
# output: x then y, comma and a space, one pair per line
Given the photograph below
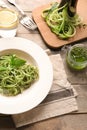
25, 20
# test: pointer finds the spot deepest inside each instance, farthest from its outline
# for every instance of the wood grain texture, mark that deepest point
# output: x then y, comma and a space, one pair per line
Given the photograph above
74, 121
67, 122
52, 40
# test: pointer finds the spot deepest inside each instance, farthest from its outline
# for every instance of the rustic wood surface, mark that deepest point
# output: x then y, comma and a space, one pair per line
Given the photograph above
73, 121
49, 37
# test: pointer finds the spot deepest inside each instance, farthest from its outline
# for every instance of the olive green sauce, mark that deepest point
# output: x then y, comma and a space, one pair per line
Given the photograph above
77, 57
79, 54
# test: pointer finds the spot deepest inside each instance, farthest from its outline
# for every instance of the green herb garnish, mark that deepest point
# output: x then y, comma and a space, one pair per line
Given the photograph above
17, 62
16, 75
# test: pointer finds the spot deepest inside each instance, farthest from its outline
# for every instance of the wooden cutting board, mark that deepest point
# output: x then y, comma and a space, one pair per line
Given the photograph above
52, 40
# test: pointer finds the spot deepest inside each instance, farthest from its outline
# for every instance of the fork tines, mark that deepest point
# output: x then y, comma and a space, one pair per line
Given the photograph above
28, 23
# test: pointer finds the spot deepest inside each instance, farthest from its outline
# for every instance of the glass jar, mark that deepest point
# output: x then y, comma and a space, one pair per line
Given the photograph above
77, 57
8, 22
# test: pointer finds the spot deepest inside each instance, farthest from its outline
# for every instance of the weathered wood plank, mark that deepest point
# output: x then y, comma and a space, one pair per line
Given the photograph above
35, 38
6, 123
81, 98
29, 5
22, 30
74, 121
68, 122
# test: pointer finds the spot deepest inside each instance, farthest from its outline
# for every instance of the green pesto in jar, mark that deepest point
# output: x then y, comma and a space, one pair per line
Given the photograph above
79, 54
77, 57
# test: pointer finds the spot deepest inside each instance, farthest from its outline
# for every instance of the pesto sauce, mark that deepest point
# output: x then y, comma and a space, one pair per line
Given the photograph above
77, 57
79, 54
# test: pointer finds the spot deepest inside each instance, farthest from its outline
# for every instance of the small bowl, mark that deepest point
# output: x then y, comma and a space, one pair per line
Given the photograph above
77, 57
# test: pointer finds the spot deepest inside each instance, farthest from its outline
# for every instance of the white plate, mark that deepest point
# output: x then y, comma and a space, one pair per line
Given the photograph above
34, 95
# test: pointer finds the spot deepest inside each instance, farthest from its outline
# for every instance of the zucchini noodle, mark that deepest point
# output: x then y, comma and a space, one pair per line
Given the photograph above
16, 75
60, 22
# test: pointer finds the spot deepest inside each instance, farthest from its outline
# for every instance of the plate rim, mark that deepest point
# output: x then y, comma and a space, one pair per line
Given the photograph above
8, 101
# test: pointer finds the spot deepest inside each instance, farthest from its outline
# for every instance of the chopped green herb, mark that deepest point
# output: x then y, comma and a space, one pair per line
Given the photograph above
77, 57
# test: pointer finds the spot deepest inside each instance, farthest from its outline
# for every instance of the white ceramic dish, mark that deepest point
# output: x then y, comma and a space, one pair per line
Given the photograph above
34, 95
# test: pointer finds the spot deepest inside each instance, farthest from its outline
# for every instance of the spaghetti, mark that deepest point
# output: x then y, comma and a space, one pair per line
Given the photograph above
16, 75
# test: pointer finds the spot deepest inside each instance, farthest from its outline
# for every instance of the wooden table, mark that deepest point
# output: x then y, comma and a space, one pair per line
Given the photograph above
73, 121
